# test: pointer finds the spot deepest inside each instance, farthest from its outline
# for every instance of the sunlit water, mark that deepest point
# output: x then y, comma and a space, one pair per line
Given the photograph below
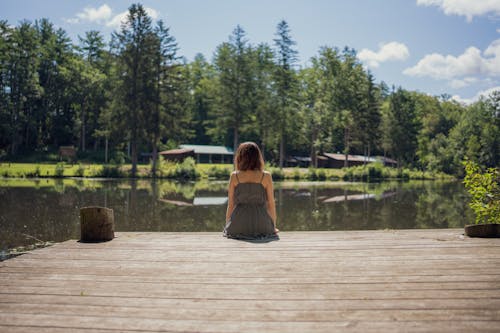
48, 209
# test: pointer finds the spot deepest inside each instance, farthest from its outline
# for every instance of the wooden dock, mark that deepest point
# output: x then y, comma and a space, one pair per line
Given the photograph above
347, 281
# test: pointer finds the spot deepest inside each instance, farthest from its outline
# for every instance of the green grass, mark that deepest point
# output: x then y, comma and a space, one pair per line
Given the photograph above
190, 171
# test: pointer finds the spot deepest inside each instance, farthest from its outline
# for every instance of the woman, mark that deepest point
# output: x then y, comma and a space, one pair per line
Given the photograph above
251, 212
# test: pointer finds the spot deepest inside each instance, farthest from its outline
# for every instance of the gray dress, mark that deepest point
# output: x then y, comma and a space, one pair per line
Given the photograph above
250, 219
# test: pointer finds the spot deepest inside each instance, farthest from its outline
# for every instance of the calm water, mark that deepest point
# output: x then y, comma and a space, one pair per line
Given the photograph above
48, 210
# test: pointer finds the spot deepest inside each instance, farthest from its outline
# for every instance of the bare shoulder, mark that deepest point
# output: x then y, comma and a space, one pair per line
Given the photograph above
232, 177
268, 178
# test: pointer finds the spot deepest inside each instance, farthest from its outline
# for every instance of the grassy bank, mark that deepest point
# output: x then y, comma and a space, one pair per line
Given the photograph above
188, 170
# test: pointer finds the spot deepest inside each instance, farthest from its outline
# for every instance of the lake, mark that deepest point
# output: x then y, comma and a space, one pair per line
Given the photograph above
33, 210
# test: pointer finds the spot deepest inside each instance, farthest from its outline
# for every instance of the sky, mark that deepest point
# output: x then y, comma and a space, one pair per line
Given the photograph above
432, 46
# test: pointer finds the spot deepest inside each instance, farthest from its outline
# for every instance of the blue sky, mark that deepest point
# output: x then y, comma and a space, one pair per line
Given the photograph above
433, 46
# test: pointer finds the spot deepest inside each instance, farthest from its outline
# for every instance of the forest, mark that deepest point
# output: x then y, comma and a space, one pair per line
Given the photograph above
136, 94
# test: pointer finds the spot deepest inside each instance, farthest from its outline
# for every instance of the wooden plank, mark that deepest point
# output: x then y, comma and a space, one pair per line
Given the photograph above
13, 274
242, 315
370, 281
231, 304
146, 324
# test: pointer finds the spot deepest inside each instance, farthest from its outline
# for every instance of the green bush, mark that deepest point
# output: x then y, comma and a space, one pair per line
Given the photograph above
35, 173
80, 172
484, 189
277, 173
375, 171
59, 171
118, 158
312, 174
186, 169
218, 172
110, 171
321, 174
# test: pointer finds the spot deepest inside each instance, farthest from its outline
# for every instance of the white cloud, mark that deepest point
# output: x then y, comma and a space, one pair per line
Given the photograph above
89, 14
117, 20
484, 93
386, 52
461, 70
104, 15
498, 30
461, 83
438, 66
467, 8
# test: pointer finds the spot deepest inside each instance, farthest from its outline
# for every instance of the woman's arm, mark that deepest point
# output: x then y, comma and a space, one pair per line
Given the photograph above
271, 206
230, 197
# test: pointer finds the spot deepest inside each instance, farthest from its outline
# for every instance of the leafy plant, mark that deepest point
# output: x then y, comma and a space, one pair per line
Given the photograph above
80, 172
484, 189
59, 171
186, 169
111, 171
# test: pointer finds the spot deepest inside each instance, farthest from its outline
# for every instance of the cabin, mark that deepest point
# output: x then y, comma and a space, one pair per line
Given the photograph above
337, 161
67, 152
210, 154
177, 155
386, 161
298, 161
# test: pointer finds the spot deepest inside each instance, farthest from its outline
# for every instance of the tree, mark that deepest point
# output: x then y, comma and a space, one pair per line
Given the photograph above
202, 84
92, 84
403, 126
232, 63
5, 89
286, 85
134, 53
167, 94
317, 102
263, 100
24, 86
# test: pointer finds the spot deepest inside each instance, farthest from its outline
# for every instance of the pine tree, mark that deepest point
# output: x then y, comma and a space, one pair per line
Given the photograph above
134, 54
286, 85
232, 63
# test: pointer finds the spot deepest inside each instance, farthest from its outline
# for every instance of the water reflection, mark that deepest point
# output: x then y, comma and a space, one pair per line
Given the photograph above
48, 209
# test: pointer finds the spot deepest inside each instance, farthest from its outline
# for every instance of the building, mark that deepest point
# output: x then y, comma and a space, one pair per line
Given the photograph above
337, 161
210, 154
298, 161
177, 155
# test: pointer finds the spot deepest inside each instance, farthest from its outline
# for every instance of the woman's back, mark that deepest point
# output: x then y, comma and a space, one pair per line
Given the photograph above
251, 212
249, 218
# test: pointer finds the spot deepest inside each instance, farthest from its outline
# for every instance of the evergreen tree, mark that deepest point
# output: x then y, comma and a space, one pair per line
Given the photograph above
91, 85
134, 53
286, 86
263, 100
167, 114
24, 86
202, 76
232, 62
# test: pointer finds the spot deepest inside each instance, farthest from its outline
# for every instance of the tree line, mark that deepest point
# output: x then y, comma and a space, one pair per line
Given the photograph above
137, 94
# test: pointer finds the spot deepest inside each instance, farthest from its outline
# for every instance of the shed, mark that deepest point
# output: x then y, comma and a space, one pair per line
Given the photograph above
387, 161
337, 161
177, 155
300, 161
211, 154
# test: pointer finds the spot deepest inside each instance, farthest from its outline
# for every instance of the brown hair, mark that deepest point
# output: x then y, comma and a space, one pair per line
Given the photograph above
248, 157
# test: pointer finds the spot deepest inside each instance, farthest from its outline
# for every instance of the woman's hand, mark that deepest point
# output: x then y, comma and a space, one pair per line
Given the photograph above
276, 230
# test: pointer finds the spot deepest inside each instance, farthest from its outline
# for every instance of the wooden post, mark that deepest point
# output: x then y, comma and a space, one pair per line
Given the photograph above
97, 224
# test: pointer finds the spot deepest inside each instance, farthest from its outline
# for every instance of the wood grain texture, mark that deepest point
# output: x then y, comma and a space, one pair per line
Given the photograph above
349, 281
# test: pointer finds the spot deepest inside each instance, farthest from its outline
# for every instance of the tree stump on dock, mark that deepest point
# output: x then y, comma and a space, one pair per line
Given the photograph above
97, 224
